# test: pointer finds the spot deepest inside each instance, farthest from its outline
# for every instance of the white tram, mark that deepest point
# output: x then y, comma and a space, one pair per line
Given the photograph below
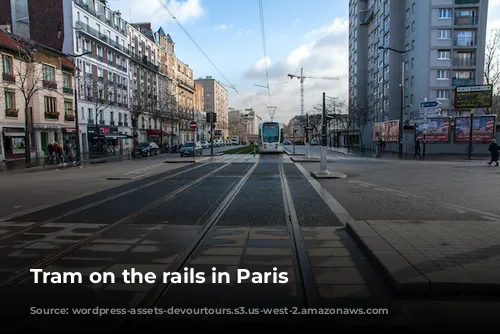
271, 137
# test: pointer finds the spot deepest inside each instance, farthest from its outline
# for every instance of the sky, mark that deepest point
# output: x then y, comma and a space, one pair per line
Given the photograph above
310, 34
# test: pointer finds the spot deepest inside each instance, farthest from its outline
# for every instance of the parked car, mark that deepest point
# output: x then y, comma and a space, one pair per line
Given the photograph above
187, 149
205, 144
147, 149
287, 142
314, 142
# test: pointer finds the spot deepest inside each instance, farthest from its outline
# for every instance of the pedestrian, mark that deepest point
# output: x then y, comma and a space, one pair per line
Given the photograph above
417, 148
68, 152
494, 152
57, 157
50, 149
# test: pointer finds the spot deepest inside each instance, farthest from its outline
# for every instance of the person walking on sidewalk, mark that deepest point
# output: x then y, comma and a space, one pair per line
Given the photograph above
69, 153
50, 149
417, 148
494, 152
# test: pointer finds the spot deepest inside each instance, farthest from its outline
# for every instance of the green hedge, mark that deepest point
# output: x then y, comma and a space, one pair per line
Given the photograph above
243, 150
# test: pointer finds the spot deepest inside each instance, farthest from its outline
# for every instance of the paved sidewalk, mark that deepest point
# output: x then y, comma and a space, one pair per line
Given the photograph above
391, 155
436, 257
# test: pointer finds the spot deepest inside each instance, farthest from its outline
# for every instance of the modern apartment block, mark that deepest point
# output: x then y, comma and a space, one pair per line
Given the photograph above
445, 40
216, 101
251, 120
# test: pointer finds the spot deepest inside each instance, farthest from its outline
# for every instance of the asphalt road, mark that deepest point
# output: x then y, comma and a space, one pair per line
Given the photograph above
220, 216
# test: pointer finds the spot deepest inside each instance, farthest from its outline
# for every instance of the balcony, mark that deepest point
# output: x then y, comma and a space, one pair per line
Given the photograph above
144, 61
111, 122
110, 62
97, 35
466, 20
69, 117
463, 82
11, 112
465, 42
467, 62
67, 90
49, 84
365, 17
91, 121
51, 115
102, 122
186, 86
120, 123
125, 124
8, 77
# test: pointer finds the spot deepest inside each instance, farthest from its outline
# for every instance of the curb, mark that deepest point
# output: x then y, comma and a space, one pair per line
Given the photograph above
402, 276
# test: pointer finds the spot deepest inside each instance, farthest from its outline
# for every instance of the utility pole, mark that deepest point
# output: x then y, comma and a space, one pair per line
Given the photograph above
271, 113
323, 136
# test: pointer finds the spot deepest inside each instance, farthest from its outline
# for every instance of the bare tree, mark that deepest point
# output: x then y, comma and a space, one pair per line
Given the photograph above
95, 93
358, 119
492, 67
26, 76
235, 126
163, 110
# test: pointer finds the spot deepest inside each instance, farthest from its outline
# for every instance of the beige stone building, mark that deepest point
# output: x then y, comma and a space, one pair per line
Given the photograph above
216, 101
49, 78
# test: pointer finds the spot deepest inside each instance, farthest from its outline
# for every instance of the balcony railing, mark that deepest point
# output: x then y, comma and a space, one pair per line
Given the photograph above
69, 117
144, 62
461, 62
120, 123
67, 90
466, 20
102, 122
465, 42
49, 84
51, 115
90, 121
125, 124
96, 34
11, 112
111, 122
9, 77
365, 17
463, 82
465, 2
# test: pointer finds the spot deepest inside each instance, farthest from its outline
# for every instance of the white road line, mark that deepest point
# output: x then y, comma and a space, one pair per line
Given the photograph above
144, 169
458, 208
140, 176
23, 213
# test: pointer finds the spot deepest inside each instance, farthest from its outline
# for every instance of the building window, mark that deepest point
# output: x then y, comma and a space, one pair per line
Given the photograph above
413, 27
444, 34
442, 94
68, 108
413, 44
407, 31
443, 74
7, 64
49, 73
413, 7
444, 54
445, 13
10, 100
50, 104
67, 82
407, 13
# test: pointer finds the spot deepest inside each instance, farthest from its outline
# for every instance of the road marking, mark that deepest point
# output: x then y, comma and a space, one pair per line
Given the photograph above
24, 212
144, 169
455, 207
139, 176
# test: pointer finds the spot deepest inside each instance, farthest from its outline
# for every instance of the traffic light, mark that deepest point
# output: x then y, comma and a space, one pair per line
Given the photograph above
209, 116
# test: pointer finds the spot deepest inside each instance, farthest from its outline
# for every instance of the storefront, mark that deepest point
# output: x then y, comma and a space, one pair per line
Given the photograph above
46, 134
13, 144
158, 136
109, 141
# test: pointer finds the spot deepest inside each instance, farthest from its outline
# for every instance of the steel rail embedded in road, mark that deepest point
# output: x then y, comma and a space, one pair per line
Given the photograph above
25, 272
303, 268
159, 289
93, 204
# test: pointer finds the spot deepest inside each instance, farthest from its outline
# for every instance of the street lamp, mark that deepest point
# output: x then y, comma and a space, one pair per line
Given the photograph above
77, 127
401, 111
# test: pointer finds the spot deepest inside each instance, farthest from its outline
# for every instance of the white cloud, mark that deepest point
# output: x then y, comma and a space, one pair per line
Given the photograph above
224, 27
325, 56
152, 10
495, 24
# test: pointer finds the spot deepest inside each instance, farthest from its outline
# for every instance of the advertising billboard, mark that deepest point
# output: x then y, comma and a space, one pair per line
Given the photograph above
474, 96
483, 130
437, 131
386, 131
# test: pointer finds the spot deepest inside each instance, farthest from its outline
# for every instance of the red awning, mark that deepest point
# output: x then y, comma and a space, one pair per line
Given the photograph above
157, 133
70, 130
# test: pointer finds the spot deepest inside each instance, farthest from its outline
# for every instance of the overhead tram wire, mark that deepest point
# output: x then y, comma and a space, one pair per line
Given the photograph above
162, 3
261, 8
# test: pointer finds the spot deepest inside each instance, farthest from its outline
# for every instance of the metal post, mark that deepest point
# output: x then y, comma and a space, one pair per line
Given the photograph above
77, 126
471, 127
293, 139
194, 143
212, 133
401, 112
323, 137
307, 135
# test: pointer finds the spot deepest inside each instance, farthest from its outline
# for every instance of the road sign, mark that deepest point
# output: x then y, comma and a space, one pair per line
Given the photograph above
429, 104
193, 125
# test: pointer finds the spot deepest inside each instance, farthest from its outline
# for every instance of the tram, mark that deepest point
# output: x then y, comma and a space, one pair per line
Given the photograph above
271, 137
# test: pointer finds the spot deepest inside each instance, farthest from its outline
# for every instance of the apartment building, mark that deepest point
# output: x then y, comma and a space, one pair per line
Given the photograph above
216, 101
251, 121
445, 44
48, 80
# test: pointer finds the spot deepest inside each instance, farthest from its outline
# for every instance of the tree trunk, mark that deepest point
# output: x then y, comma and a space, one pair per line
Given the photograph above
27, 145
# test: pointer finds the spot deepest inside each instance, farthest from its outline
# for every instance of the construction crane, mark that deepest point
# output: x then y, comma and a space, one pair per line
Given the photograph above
302, 77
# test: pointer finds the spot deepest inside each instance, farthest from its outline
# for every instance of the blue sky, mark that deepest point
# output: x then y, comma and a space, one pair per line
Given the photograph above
312, 34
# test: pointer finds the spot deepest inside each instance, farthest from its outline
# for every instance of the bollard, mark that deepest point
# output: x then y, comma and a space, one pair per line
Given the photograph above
254, 151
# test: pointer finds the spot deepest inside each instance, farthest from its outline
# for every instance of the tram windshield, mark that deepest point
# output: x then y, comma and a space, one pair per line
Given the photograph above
271, 132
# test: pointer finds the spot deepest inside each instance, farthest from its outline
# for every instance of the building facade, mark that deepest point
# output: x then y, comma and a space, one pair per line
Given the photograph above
445, 44
45, 77
216, 101
251, 121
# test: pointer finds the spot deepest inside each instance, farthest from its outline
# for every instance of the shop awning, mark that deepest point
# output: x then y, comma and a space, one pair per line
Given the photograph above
158, 133
113, 136
70, 130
